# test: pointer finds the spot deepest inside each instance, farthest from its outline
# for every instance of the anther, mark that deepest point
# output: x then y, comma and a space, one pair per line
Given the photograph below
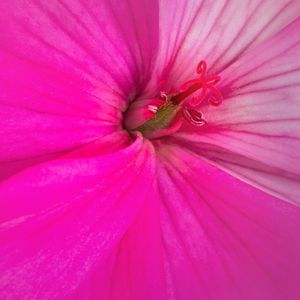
153, 108
193, 116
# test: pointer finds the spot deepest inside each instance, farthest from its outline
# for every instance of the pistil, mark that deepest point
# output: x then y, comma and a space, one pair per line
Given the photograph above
177, 99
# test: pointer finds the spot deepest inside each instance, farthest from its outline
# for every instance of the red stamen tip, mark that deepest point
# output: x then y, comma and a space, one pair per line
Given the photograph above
201, 68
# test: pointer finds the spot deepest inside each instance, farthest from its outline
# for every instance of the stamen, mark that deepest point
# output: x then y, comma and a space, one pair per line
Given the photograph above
153, 108
193, 116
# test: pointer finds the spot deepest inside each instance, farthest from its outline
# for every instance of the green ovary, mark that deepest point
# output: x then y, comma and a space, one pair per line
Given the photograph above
163, 118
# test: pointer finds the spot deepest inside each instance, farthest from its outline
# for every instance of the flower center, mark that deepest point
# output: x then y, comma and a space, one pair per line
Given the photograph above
165, 115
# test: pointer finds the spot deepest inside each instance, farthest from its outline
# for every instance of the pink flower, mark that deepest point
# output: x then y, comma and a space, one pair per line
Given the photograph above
205, 205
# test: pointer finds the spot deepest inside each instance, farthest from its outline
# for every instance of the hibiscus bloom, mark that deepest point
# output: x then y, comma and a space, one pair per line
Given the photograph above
150, 150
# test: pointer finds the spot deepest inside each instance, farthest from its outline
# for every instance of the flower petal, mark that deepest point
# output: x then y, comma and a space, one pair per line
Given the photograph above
258, 121
135, 268
61, 219
28, 136
68, 70
192, 31
223, 238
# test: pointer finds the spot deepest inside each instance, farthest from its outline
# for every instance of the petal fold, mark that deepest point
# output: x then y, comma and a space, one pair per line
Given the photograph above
68, 70
62, 219
224, 239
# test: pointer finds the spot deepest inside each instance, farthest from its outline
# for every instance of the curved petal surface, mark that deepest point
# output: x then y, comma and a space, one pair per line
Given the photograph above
191, 31
224, 239
61, 219
259, 118
68, 69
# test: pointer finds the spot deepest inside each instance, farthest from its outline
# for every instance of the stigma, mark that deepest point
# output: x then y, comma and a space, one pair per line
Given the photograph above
199, 88
165, 114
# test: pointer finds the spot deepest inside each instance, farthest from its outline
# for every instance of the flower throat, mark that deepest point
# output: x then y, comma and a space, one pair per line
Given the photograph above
166, 114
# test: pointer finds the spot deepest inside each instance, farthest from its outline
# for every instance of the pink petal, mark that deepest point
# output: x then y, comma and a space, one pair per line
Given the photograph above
28, 136
134, 268
62, 219
258, 121
218, 32
224, 239
68, 70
